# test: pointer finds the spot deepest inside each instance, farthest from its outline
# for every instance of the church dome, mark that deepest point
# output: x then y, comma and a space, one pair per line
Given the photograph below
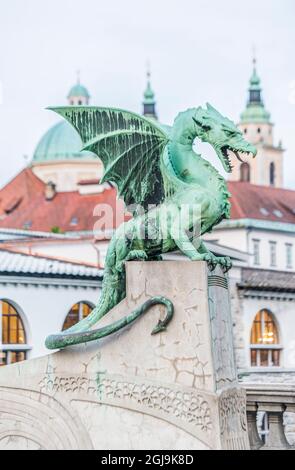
255, 111
61, 142
78, 90
255, 114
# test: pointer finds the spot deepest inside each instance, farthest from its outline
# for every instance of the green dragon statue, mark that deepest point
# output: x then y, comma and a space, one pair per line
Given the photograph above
158, 173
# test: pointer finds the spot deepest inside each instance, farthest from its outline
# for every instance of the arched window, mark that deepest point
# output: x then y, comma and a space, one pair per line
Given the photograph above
272, 175
265, 347
78, 312
245, 172
13, 348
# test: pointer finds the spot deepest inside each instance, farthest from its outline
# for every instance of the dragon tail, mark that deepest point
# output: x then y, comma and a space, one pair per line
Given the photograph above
113, 291
67, 338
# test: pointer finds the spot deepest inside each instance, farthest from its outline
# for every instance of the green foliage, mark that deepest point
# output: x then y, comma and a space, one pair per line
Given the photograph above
56, 229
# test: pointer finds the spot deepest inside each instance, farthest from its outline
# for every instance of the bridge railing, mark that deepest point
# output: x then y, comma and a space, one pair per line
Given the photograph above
272, 401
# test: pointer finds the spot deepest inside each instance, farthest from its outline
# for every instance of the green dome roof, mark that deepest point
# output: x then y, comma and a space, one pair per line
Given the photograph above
61, 142
255, 113
78, 90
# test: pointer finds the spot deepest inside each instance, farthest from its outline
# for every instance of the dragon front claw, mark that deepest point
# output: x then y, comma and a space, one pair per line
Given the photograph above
212, 261
136, 255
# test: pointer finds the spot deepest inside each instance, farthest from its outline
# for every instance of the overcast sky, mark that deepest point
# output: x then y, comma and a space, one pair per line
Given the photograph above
198, 50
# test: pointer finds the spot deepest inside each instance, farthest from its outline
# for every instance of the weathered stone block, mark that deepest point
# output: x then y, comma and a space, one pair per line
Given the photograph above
174, 390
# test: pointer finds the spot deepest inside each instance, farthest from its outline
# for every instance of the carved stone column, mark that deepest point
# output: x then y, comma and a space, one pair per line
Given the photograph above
290, 408
276, 439
255, 441
273, 399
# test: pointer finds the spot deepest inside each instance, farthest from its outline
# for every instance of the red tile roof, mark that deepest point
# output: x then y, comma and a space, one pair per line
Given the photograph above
250, 201
23, 205
69, 211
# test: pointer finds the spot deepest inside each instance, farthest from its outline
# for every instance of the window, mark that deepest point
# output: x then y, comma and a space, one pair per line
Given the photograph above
273, 253
245, 172
272, 175
264, 348
11, 357
258, 130
13, 347
74, 221
278, 213
289, 255
256, 252
245, 131
263, 211
78, 312
27, 225
255, 96
12, 326
149, 108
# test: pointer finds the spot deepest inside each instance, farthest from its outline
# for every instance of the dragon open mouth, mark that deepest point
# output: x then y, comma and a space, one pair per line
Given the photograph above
226, 152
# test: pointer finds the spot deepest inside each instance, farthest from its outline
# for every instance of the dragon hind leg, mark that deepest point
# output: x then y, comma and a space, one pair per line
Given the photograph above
138, 255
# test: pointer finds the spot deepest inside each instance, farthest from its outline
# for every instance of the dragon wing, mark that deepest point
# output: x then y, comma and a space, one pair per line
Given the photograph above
130, 147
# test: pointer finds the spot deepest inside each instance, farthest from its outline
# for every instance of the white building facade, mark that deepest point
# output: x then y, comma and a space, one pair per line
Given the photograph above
39, 296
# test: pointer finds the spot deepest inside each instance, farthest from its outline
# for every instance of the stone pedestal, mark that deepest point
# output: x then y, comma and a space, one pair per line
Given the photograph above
174, 390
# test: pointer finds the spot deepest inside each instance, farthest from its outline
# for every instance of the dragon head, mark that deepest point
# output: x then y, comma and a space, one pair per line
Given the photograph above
223, 135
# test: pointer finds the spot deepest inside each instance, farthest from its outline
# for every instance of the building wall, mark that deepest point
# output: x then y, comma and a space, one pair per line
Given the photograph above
265, 238
260, 167
237, 320
243, 239
79, 251
66, 175
261, 135
258, 133
43, 308
233, 238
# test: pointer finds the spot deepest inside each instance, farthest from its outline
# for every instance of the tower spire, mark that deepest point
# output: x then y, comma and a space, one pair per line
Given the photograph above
149, 103
254, 58
255, 87
255, 110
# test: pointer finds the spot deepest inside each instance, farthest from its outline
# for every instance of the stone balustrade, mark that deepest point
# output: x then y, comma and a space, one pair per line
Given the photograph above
275, 401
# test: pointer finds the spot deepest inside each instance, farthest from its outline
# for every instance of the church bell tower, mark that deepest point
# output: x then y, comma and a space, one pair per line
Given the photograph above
255, 123
149, 102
